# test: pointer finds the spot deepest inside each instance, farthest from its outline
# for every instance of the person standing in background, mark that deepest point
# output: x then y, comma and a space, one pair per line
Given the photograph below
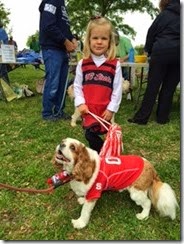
123, 48
163, 48
3, 67
56, 40
34, 45
12, 42
3, 34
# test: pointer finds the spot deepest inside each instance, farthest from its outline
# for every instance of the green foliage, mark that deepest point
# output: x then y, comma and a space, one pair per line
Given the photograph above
4, 14
81, 12
27, 147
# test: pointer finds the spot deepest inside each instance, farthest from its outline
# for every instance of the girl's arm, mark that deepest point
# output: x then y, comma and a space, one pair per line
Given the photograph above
78, 93
117, 90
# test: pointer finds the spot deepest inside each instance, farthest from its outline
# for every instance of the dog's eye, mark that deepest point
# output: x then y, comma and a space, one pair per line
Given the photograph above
72, 147
62, 145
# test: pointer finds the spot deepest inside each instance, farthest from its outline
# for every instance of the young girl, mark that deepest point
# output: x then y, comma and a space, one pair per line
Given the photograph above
98, 80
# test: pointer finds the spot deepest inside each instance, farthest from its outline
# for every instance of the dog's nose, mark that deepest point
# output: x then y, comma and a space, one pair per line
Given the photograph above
60, 147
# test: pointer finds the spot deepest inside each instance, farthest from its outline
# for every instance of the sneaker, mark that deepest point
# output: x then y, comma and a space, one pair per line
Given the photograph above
63, 116
137, 121
163, 122
50, 118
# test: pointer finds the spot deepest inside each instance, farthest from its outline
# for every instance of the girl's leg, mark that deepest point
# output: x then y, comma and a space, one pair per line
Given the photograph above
94, 140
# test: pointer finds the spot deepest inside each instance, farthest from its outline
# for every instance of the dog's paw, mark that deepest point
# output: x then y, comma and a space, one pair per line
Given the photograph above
81, 200
73, 124
141, 216
78, 223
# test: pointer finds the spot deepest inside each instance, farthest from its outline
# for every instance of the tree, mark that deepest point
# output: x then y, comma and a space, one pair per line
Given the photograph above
4, 14
81, 12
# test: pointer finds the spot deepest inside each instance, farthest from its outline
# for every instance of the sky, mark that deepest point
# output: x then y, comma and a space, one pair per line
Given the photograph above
24, 21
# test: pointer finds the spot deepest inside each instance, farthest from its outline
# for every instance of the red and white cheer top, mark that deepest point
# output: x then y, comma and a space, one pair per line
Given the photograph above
97, 89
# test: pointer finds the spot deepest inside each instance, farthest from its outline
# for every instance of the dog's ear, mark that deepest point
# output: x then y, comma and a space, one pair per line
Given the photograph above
84, 166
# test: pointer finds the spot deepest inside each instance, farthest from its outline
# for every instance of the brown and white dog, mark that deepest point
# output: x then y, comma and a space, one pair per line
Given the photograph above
90, 178
76, 115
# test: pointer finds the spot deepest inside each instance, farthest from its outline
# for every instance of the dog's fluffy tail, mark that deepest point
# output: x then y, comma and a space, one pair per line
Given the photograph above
163, 198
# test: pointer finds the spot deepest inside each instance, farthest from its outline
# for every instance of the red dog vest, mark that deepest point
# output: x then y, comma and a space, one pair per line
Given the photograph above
116, 173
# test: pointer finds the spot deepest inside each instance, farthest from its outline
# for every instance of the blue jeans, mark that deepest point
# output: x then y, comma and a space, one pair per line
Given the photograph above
56, 68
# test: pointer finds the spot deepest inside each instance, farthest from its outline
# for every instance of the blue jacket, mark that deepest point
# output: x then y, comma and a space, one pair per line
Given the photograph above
54, 24
3, 36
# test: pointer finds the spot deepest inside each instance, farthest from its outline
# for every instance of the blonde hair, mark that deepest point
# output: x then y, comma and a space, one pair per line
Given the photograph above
111, 52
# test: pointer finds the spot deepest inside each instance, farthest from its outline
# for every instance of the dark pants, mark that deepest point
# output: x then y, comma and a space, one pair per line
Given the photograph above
4, 73
163, 78
125, 73
94, 140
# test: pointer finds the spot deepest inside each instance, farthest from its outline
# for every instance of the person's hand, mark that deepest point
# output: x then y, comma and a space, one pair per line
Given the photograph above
70, 47
83, 109
107, 115
74, 41
124, 59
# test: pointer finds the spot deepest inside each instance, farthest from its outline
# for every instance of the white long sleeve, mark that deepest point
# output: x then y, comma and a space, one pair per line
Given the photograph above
78, 93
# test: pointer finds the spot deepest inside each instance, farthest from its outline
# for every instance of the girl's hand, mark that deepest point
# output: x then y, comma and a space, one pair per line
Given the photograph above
107, 115
83, 109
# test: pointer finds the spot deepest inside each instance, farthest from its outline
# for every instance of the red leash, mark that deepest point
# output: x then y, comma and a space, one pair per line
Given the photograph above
55, 181
28, 190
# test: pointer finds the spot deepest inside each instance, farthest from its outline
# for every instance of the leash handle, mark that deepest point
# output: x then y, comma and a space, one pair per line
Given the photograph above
100, 120
28, 190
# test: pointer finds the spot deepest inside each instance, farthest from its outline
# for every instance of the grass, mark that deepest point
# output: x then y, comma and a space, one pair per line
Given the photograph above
27, 147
